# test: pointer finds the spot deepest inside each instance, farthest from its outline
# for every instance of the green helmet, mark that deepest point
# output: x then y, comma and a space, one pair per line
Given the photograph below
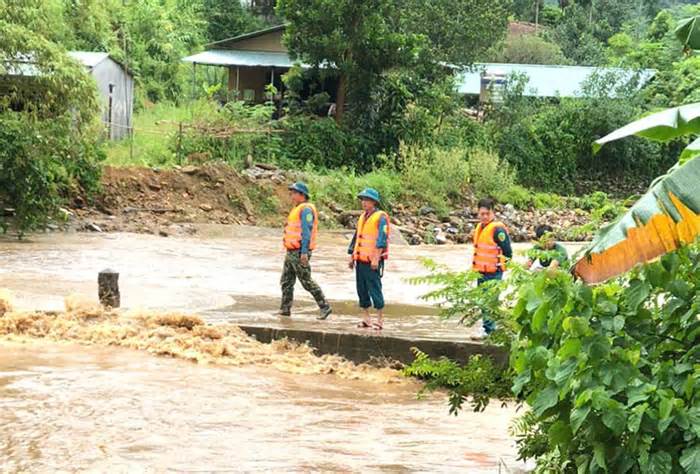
370, 193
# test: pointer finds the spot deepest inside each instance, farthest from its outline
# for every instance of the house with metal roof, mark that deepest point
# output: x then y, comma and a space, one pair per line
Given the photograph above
253, 60
542, 80
115, 86
260, 58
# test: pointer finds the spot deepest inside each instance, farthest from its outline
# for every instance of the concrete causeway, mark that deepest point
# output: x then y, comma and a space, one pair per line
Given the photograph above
372, 345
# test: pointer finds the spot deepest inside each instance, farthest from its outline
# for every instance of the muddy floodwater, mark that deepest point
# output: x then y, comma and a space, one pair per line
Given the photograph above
65, 407
69, 408
225, 273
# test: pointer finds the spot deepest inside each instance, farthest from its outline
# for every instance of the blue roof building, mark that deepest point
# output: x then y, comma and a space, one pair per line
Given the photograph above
544, 80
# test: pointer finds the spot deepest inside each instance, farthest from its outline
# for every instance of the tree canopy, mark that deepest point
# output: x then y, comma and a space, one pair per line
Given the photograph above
362, 39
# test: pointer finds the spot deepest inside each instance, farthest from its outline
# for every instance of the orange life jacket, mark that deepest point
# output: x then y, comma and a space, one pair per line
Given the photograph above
488, 256
367, 235
292, 231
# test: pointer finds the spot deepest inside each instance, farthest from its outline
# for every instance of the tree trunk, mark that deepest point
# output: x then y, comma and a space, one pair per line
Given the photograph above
340, 98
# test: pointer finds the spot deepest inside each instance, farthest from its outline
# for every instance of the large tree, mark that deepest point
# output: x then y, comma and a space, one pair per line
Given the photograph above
358, 38
361, 39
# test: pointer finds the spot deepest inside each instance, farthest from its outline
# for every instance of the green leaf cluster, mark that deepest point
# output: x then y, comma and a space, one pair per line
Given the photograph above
479, 380
612, 373
42, 163
49, 146
548, 142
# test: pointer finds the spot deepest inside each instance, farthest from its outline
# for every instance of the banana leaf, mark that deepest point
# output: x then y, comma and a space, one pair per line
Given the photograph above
665, 218
688, 31
662, 126
691, 151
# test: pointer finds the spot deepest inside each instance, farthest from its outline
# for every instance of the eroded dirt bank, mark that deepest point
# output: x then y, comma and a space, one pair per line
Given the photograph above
167, 202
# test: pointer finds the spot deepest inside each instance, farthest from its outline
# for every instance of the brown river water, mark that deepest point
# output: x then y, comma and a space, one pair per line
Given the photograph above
247, 406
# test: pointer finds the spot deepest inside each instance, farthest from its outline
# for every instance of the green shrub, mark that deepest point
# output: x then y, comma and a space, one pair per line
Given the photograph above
602, 211
266, 202
519, 196
341, 186
548, 142
148, 147
319, 142
542, 150
529, 49
43, 162
479, 379
460, 130
523, 198
548, 201
229, 134
427, 176
488, 174
611, 372
434, 176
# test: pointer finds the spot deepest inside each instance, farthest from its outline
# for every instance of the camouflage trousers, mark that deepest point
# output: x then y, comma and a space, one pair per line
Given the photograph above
292, 270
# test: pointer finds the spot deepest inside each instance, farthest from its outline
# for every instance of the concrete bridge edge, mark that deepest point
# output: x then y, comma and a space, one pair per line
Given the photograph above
361, 348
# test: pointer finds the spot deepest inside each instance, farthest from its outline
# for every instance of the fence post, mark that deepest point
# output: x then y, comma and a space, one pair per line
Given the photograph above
131, 143
269, 141
179, 144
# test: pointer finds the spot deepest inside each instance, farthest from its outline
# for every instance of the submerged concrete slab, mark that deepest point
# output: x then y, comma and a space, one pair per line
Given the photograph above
361, 348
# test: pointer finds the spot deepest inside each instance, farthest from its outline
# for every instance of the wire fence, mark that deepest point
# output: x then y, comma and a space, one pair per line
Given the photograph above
191, 141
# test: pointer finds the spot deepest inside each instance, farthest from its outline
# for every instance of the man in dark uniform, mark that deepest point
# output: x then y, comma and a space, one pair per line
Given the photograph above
300, 235
492, 250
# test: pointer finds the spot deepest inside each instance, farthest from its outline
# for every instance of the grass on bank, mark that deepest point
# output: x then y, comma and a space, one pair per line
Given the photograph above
155, 128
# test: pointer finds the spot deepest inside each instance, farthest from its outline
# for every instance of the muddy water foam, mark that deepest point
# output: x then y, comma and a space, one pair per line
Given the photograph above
177, 335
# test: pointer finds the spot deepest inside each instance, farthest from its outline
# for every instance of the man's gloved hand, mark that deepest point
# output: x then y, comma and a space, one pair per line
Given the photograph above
304, 259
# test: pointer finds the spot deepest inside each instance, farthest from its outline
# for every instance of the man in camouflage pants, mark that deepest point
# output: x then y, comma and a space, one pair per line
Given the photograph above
300, 240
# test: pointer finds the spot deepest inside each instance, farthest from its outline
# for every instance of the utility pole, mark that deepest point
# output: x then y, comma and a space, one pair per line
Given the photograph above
639, 19
130, 123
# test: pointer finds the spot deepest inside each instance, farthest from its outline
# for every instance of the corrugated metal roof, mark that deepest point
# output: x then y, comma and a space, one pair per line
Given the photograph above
252, 34
88, 58
231, 57
543, 80
24, 64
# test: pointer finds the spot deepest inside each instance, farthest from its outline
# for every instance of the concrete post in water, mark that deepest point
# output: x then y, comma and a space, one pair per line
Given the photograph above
108, 288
